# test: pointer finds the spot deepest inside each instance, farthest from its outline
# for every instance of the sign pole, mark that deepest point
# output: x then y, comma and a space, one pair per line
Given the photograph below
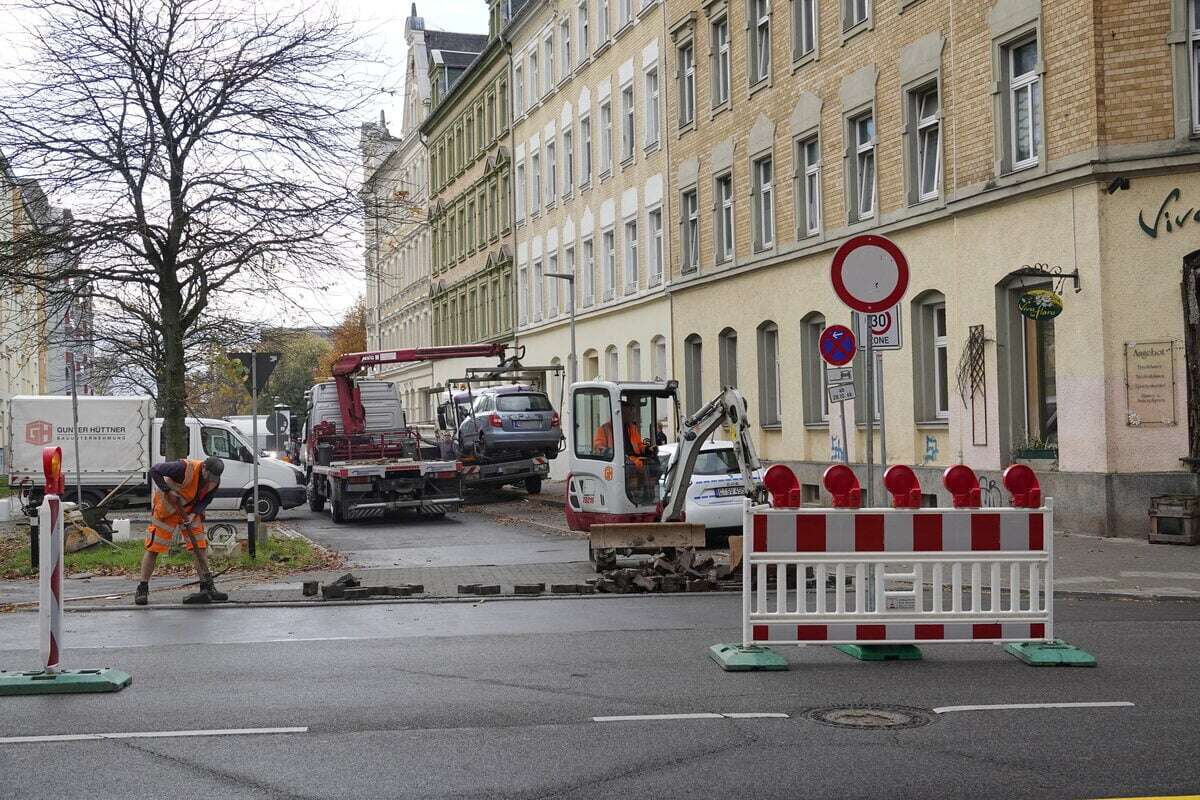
252, 517
845, 441
882, 418
869, 415
75, 437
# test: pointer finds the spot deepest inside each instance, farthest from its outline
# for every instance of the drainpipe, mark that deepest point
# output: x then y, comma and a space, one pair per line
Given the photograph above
512, 217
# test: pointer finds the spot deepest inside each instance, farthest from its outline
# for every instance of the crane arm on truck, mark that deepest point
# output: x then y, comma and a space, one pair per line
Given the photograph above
728, 408
354, 416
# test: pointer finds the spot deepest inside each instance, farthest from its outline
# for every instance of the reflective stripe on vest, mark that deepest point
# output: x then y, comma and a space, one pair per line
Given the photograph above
189, 489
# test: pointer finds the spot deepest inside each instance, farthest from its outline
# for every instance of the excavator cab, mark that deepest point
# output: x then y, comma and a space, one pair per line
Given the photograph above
615, 469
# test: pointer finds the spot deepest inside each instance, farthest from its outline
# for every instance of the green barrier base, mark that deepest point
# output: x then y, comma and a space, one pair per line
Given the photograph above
1056, 653
736, 658
69, 681
881, 652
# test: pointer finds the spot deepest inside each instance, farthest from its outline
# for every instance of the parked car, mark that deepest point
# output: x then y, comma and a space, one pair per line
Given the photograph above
715, 494
510, 420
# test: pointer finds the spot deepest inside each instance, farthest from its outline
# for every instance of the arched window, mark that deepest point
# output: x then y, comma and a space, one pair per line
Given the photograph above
591, 365
611, 363
931, 367
658, 366
727, 357
768, 375
816, 399
633, 361
692, 379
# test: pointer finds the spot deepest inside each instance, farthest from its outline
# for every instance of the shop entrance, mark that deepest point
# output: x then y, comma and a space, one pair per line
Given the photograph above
1191, 339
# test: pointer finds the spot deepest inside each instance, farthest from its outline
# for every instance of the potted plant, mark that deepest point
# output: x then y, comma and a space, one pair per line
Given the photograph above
1037, 453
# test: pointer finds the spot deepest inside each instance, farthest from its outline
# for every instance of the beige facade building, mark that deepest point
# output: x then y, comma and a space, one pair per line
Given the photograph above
590, 164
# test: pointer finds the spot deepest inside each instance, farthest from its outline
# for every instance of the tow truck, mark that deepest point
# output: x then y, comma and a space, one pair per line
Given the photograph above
613, 486
363, 459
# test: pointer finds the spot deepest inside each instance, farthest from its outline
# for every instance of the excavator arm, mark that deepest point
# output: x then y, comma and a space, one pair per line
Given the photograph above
354, 416
729, 408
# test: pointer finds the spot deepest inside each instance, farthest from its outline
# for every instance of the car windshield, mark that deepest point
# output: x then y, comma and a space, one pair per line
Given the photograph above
709, 462
523, 402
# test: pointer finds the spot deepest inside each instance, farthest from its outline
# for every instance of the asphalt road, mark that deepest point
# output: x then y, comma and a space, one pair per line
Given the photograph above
497, 700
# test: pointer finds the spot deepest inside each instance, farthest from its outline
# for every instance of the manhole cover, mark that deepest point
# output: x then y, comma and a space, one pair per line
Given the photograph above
868, 718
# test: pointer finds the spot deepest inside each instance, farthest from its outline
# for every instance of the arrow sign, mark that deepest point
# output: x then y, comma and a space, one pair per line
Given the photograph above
266, 365
837, 345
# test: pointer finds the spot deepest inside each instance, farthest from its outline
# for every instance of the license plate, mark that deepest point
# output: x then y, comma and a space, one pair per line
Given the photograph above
729, 491
527, 424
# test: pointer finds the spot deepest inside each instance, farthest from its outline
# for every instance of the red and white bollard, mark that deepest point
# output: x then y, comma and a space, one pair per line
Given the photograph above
50, 572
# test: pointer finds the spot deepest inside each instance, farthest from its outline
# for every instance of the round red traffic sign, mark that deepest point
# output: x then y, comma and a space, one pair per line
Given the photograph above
869, 273
880, 323
837, 345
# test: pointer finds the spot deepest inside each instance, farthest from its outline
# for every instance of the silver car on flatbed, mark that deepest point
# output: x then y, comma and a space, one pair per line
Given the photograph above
511, 420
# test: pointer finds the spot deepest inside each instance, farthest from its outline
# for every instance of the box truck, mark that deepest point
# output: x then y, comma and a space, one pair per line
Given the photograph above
119, 438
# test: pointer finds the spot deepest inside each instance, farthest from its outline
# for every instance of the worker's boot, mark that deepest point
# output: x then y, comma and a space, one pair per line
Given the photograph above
142, 596
208, 594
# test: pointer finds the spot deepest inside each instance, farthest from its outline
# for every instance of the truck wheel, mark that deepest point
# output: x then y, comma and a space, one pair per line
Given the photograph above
533, 485
316, 501
268, 504
337, 510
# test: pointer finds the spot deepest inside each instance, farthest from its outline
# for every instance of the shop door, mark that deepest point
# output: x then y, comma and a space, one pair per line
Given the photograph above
1191, 339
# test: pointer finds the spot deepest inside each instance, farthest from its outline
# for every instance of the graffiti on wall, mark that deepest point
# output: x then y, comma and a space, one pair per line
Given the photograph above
931, 449
837, 450
990, 494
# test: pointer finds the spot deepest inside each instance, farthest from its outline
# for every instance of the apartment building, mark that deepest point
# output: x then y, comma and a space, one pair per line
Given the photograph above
396, 188
590, 163
1005, 146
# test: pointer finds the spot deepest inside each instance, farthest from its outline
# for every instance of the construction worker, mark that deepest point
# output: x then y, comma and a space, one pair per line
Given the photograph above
639, 452
183, 490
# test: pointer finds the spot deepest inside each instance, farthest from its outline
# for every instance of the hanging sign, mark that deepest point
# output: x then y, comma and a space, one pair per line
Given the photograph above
1040, 304
841, 392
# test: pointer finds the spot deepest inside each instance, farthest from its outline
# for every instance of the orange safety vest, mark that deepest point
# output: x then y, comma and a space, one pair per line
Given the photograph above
603, 440
166, 520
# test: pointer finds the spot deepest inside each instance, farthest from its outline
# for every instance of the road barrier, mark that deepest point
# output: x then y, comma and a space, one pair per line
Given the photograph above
876, 582
50, 679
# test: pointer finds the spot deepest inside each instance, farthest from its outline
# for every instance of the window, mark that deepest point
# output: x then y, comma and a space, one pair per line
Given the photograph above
808, 188
924, 113
720, 59
659, 365
491, 117
564, 38
518, 91
816, 396
591, 367
552, 287
934, 374
724, 226
589, 273
534, 85
1194, 60
222, 444
862, 168
471, 224
768, 374
690, 231
606, 138
727, 357
631, 256
693, 382
502, 110
764, 203
656, 247
760, 40
627, 131
493, 212
583, 30
1024, 103
855, 12
593, 417
633, 361
539, 299
569, 267
611, 363
687, 84
626, 8
535, 182
651, 121
551, 173
602, 22
608, 263
804, 28
585, 151
548, 58
568, 162
523, 289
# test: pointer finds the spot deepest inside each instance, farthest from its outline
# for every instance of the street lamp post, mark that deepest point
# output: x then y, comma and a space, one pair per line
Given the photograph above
570, 279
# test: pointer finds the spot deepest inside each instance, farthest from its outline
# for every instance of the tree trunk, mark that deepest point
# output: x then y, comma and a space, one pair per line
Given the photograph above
172, 395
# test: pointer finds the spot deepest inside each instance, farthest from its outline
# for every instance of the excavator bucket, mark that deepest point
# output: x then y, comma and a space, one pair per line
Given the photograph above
645, 537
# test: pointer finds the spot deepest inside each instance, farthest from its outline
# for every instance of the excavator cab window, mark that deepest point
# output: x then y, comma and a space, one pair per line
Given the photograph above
593, 425
642, 468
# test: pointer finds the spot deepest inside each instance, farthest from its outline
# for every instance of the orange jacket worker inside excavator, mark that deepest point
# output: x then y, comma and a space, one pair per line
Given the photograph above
636, 446
183, 490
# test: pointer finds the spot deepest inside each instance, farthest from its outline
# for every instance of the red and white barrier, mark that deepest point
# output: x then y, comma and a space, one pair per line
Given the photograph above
50, 575
901, 575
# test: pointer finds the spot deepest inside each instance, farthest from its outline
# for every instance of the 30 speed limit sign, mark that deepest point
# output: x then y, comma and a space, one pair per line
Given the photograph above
884, 327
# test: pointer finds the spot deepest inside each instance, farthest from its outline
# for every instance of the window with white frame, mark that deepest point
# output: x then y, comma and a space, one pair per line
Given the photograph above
687, 84
1193, 14
1024, 102
518, 91
862, 167
656, 246
720, 61
610, 363
693, 379
522, 294
631, 255
808, 187
602, 22
627, 127
651, 120
768, 375
854, 13
568, 154
535, 182
689, 228
633, 361
551, 173
816, 396
588, 281
608, 262
928, 141
535, 87
804, 28
760, 40
585, 151
582, 27
626, 7
569, 268
538, 296
606, 155
763, 192
520, 199
564, 39
724, 226
727, 361
552, 286
941, 366
548, 58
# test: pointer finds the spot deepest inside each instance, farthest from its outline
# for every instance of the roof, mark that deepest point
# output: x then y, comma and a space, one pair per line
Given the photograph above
458, 42
457, 60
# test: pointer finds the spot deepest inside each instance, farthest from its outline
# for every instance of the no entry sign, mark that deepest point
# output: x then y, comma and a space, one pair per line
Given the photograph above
869, 273
837, 345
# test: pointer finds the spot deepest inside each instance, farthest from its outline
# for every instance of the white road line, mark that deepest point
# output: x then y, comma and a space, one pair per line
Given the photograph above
1018, 706
657, 717
88, 737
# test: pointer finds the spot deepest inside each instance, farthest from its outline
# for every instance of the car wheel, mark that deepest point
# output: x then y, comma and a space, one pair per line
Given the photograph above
533, 485
268, 504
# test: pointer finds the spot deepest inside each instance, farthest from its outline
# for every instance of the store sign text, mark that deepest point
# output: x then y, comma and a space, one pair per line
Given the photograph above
1166, 218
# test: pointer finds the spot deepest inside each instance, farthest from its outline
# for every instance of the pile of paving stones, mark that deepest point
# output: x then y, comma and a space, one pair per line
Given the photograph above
680, 570
349, 587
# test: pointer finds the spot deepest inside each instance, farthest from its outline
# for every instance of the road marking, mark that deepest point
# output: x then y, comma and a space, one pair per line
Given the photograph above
1019, 706
88, 737
657, 717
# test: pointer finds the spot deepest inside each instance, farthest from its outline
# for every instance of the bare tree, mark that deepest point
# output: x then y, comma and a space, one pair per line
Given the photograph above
206, 147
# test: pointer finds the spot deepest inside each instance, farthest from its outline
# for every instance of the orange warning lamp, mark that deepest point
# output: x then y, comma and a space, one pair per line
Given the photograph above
52, 468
